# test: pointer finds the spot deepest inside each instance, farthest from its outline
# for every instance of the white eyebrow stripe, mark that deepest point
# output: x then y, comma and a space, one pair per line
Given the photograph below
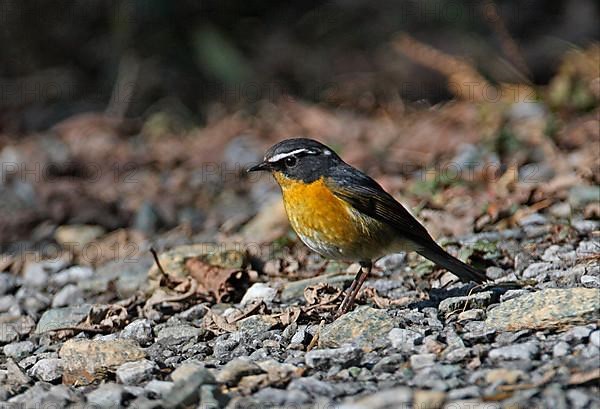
280, 156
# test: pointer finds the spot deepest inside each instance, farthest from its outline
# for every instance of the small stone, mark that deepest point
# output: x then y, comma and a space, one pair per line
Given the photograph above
576, 334
59, 318
18, 350
48, 370
179, 332
586, 226
404, 339
510, 294
537, 269
524, 351
560, 349
255, 325
398, 397
471, 315
300, 335
312, 386
391, 261
534, 218
463, 393
595, 338
87, 360
420, 361
578, 398
236, 369
132, 373
8, 332
77, 236
185, 371
344, 356
70, 294
590, 281
72, 275
158, 388
429, 399
561, 210
108, 395
547, 309
8, 282
259, 292
478, 300
139, 331
458, 355
504, 376
186, 390
580, 195
364, 327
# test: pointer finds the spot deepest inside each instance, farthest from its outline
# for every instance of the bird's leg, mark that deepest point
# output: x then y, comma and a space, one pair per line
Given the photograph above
361, 276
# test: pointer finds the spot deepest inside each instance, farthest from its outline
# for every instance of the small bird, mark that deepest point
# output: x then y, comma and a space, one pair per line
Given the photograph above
341, 213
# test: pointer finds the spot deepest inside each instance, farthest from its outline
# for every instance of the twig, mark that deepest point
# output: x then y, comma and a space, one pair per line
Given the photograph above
155, 255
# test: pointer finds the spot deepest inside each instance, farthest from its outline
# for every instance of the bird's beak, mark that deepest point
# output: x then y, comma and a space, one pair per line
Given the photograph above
263, 166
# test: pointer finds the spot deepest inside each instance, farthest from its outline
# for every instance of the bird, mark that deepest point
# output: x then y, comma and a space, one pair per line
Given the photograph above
341, 213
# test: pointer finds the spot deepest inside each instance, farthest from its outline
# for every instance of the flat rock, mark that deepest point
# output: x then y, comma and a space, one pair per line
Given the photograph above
547, 309
132, 373
344, 356
399, 397
365, 327
58, 318
524, 351
478, 300
182, 331
88, 360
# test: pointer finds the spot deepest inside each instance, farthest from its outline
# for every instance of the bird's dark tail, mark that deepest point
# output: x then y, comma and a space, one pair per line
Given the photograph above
440, 257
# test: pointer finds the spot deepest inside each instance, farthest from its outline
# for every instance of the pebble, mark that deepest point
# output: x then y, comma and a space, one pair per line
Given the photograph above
158, 388
398, 397
65, 317
139, 331
71, 275
18, 350
181, 332
590, 281
70, 294
470, 315
48, 370
478, 300
259, 291
560, 349
504, 376
236, 369
429, 399
186, 390
131, 373
106, 396
420, 361
595, 338
524, 351
404, 339
345, 356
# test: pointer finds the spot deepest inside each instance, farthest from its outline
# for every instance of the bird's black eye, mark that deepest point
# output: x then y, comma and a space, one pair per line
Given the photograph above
290, 161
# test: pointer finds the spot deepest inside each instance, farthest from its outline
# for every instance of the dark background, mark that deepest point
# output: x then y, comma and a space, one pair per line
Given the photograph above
135, 57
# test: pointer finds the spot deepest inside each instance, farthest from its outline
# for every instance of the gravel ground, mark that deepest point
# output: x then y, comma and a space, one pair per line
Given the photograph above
426, 342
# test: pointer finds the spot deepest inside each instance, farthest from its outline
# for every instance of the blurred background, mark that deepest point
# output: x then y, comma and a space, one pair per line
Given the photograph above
142, 114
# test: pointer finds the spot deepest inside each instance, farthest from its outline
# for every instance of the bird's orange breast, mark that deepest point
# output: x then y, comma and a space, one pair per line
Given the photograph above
317, 215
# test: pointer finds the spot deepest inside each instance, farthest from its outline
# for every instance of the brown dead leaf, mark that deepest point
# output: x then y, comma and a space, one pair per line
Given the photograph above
217, 324
224, 284
321, 294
